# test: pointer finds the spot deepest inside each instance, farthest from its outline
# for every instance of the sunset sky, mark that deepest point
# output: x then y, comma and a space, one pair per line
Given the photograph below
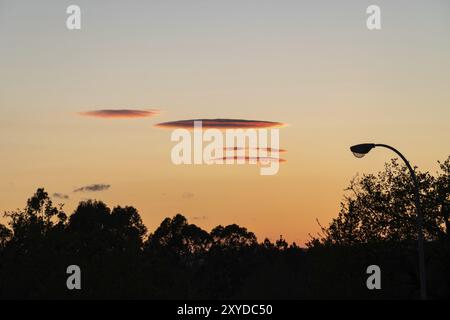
312, 65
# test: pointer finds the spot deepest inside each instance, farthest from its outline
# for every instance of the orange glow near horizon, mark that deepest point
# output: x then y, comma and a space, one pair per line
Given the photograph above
227, 62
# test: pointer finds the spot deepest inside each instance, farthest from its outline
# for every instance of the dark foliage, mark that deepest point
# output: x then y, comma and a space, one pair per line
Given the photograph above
118, 259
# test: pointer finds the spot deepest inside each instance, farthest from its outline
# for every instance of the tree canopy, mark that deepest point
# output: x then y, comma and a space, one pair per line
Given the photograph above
119, 258
380, 207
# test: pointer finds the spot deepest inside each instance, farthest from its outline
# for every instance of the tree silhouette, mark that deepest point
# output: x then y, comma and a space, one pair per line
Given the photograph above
5, 235
94, 227
381, 208
36, 219
179, 260
178, 237
232, 237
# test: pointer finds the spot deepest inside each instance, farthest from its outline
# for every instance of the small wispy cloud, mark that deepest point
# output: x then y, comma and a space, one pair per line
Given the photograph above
93, 188
220, 124
198, 218
188, 195
119, 113
60, 196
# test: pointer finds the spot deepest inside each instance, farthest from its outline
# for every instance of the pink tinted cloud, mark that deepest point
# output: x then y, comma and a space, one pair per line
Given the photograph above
274, 150
257, 159
220, 124
119, 113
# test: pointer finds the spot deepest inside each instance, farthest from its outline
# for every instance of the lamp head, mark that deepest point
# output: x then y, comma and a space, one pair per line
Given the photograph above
360, 150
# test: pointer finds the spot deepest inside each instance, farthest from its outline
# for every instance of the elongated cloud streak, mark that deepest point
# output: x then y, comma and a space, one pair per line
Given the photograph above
257, 149
61, 196
256, 159
119, 113
93, 188
220, 124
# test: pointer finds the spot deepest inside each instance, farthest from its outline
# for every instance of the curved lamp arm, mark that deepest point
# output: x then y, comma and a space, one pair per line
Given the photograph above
359, 151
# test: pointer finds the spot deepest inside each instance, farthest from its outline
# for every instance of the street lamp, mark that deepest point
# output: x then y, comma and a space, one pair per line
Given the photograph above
360, 150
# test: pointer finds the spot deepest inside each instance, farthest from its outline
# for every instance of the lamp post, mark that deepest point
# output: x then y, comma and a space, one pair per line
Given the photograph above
360, 150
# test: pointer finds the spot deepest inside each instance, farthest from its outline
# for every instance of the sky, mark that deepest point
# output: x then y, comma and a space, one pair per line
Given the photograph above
311, 65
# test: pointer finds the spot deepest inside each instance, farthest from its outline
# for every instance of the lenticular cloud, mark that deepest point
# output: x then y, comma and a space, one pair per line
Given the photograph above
119, 113
221, 124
